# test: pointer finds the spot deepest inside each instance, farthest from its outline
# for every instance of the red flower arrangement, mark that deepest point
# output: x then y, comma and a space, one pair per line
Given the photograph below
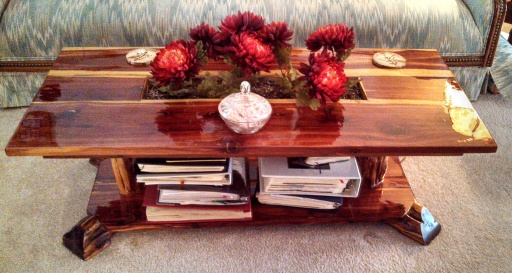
175, 63
325, 77
211, 40
250, 53
245, 41
338, 38
242, 22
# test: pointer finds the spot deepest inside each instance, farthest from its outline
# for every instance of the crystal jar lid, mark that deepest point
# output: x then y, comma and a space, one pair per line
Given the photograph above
245, 106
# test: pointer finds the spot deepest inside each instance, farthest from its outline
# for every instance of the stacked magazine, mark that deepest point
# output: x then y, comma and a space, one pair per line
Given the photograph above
207, 171
318, 183
195, 190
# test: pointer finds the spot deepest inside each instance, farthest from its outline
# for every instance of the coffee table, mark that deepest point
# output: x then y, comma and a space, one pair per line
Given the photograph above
90, 106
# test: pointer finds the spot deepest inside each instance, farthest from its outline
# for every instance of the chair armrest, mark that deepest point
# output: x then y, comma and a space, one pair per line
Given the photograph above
489, 17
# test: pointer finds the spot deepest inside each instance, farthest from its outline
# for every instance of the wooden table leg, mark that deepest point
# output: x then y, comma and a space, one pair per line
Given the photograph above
418, 224
373, 169
87, 238
124, 174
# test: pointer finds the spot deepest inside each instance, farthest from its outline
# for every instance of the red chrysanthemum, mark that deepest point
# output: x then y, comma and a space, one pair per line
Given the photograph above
325, 77
335, 37
212, 41
251, 54
276, 33
175, 63
241, 22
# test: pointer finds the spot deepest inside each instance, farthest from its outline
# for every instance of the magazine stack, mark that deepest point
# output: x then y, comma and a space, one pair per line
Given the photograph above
314, 182
195, 190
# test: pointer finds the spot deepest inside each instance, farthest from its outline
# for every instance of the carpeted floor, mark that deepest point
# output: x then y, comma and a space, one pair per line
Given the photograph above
469, 195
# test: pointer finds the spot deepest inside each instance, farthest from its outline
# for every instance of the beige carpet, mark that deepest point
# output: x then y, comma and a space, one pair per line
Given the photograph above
469, 195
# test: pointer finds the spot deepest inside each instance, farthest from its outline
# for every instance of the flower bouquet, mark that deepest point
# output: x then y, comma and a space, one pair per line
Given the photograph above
250, 46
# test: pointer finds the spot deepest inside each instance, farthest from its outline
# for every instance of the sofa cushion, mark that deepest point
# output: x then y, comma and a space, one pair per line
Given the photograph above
37, 30
481, 12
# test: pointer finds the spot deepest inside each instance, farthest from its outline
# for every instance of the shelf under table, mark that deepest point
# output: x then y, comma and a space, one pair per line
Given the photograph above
391, 200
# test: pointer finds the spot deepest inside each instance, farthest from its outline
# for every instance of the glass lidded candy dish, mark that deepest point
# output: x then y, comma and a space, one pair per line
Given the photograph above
245, 112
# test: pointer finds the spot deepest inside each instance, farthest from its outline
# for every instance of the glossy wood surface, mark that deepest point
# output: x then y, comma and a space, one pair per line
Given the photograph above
120, 212
90, 106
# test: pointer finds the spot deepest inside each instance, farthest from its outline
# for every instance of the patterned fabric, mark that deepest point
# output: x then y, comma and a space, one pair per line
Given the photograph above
35, 28
472, 80
480, 9
3, 6
501, 69
11, 95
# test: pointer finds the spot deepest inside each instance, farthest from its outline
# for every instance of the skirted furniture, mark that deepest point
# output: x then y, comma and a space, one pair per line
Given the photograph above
502, 68
33, 32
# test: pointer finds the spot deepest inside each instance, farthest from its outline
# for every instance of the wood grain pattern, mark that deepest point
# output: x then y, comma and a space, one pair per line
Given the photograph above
113, 61
59, 89
124, 175
90, 106
195, 129
372, 169
417, 224
87, 238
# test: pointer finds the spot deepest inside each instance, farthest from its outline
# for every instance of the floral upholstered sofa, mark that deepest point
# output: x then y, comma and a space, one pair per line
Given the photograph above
32, 32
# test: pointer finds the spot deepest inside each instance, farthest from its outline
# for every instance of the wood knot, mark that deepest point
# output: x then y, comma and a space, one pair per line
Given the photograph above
231, 146
356, 151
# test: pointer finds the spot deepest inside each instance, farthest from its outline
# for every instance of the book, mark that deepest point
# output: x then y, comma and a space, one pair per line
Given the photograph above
169, 212
325, 160
182, 165
199, 177
301, 201
279, 175
196, 194
177, 207
152, 198
159, 179
235, 194
197, 214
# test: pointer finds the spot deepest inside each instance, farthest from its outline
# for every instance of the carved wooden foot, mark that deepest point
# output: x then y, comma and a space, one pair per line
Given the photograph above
87, 238
418, 224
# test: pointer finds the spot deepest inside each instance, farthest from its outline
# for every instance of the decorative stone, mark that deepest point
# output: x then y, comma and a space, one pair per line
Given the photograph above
388, 60
141, 56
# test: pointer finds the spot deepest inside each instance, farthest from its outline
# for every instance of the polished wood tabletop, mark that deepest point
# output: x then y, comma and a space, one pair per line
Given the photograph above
90, 106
